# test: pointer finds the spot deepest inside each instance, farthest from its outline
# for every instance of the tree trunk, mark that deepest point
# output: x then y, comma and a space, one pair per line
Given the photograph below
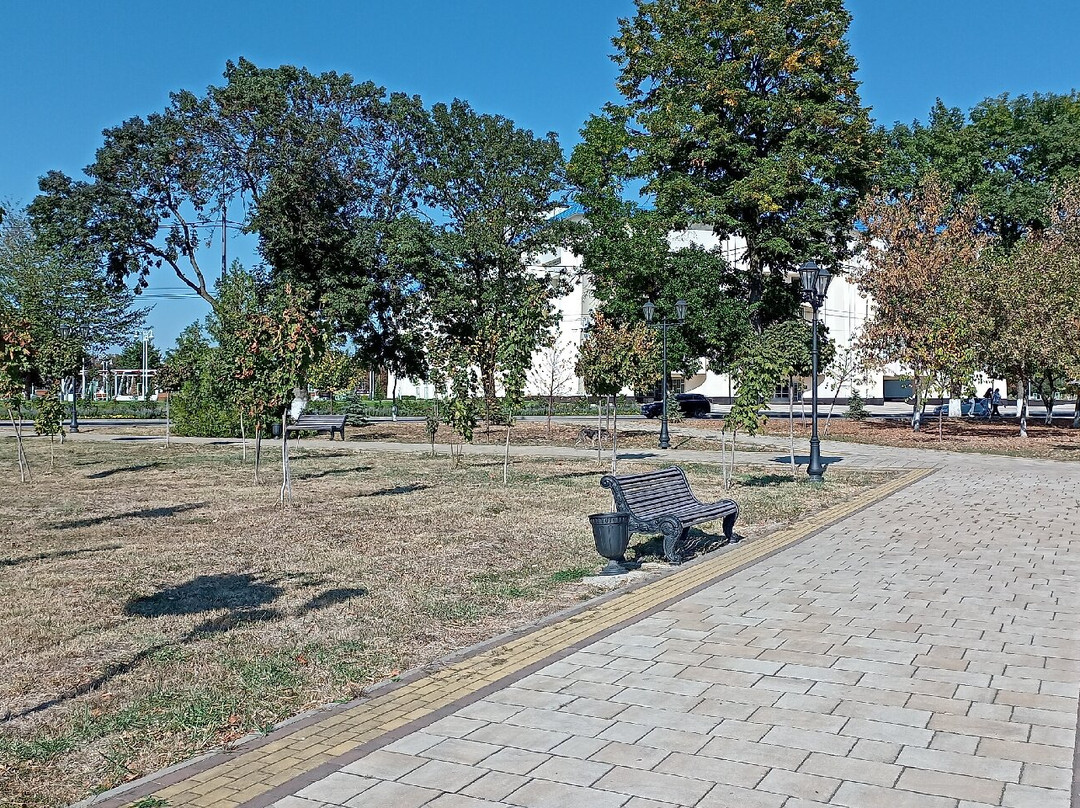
24, 467
940, 419
243, 438
506, 453
599, 432
723, 457
916, 411
1021, 408
286, 477
258, 449
487, 376
168, 418
791, 424
615, 444
550, 409
1048, 403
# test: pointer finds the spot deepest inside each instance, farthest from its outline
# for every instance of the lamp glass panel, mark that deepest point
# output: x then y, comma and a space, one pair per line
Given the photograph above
680, 310
650, 309
807, 276
821, 283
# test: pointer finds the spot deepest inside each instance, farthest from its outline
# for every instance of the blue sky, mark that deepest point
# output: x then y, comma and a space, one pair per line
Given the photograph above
70, 68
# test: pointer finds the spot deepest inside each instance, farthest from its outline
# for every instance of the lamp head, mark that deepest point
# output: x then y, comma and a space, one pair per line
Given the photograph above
650, 310
821, 283
680, 310
807, 277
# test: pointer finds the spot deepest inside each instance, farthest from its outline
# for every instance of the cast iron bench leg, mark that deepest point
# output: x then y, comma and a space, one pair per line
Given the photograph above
729, 528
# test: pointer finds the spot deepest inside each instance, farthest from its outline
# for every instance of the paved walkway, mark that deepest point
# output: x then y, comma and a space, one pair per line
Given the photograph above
918, 648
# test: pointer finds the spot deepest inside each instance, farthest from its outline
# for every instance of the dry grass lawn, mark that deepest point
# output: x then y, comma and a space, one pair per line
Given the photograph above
155, 603
1057, 442
632, 434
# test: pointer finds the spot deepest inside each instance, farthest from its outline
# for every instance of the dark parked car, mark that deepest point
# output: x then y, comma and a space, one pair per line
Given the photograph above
691, 404
981, 410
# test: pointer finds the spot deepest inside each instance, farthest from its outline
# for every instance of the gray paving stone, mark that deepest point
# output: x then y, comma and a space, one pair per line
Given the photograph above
494, 786
654, 785
338, 787
571, 770
731, 772
800, 785
384, 765
546, 794
398, 795
442, 775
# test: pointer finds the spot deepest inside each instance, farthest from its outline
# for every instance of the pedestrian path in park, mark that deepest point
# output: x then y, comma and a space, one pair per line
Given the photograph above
918, 647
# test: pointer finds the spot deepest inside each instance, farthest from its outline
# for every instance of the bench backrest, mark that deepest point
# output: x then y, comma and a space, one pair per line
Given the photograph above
651, 492
320, 420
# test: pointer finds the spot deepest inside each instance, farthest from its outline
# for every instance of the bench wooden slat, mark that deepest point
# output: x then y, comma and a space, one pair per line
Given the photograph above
662, 502
319, 423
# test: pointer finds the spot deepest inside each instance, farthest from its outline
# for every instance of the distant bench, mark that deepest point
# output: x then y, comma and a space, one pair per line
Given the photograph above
662, 502
319, 423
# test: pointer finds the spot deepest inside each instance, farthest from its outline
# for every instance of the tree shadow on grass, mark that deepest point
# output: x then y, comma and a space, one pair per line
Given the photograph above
763, 480
331, 473
51, 554
238, 593
398, 489
146, 513
204, 593
331, 597
110, 472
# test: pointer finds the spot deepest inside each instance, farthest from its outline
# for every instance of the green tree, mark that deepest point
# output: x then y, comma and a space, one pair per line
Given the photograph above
790, 344
50, 288
745, 117
16, 367
924, 262
494, 186
613, 357
320, 167
282, 345
131, 356
1006, 155
1031, 300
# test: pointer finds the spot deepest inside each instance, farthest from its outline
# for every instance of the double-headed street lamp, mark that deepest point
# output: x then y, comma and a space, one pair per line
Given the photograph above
680, 317
65, 332
815, 285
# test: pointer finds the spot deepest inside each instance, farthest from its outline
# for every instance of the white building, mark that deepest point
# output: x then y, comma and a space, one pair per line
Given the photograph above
844, 312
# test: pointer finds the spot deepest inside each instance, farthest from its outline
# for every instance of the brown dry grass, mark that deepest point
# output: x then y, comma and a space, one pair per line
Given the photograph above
154, 603
632, 434
1057, 442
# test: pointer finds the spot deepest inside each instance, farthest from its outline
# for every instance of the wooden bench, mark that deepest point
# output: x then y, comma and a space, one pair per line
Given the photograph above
319, 423
662, 502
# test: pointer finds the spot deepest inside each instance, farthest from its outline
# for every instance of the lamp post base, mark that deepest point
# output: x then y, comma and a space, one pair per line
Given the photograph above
665, 438
815, 470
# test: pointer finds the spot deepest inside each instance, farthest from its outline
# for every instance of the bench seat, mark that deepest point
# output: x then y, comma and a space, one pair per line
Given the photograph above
662, 502
319, 423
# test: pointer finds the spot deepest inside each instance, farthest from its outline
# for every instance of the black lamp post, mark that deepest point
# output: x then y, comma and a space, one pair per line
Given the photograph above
680, 317
65, 332
815, 285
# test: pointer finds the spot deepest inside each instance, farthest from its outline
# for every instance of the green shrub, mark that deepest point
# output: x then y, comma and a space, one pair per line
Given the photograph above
856, 409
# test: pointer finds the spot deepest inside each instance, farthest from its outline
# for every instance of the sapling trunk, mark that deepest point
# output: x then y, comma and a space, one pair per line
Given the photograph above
506, 451
286, 478
258, 449
243, 438
24, 466
615, 443
791, 424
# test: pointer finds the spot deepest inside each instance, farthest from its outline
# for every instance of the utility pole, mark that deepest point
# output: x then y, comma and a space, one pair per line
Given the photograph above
146, 337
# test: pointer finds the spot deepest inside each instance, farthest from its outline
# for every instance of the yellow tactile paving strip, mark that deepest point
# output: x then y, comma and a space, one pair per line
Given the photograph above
246, 775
